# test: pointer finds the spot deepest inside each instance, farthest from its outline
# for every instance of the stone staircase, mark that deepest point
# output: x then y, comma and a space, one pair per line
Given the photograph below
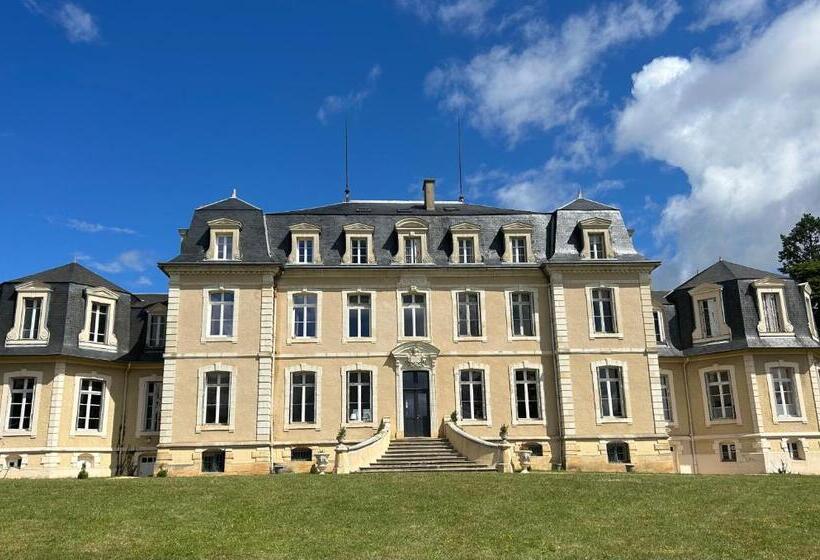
423, 455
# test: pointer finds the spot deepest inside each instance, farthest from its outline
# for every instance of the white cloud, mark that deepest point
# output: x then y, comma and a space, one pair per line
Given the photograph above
90, 227
468, 16
78, 24
717, 12
745, 130
143, 280
545, 83
333, 104
132, 260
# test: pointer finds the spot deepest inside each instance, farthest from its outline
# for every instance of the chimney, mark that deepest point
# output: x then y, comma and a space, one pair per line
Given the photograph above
429, 188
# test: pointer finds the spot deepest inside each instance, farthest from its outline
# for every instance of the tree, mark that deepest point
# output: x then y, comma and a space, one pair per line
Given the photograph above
800, 256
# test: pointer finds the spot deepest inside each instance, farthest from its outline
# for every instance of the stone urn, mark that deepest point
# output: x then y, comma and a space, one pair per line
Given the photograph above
524, 456
321, 461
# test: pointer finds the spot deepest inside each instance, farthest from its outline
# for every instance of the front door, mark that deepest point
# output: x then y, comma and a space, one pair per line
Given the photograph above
416, 404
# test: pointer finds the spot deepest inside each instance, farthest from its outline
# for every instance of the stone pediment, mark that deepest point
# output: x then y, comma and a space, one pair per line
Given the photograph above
224, 223
32, 286
305, 227
411, 224
516, 226
464, 226
594, 223
415, 354
358, 227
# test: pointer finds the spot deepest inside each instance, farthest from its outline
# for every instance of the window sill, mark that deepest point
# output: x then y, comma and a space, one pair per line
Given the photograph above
19, 433
722, 338
316, 427
458, 339
359, 339
414, 339
463, 422
355, 424
793, 419
87, 433
148, 434
208, 338
213, 428
303, 340
26, 342
529, 422
722, 421
514, 338
97, 346
776, 334
593, 336
615, 420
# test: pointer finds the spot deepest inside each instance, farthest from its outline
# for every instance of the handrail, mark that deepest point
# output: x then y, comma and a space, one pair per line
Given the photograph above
351, 458
453, 426
497, 455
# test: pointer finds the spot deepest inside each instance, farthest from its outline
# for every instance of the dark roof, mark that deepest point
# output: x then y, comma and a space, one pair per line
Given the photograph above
72, 273
586, 205
401, 208
232, 203
659, 297
723, 271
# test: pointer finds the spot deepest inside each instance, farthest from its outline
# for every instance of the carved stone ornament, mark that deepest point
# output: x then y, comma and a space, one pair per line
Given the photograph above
415, 355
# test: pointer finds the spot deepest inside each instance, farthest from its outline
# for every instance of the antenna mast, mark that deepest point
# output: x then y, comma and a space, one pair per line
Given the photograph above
347, 171
460, 181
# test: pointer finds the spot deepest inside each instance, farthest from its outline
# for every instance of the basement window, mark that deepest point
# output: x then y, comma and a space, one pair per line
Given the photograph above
301, 454
213, 460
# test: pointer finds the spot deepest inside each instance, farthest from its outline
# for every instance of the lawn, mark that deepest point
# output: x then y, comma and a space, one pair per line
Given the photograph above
549, 515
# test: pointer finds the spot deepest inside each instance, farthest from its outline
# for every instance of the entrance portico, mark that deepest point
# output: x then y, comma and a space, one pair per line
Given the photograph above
415, 366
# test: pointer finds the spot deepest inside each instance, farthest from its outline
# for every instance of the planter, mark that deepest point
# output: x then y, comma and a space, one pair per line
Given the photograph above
524, 456
321, 461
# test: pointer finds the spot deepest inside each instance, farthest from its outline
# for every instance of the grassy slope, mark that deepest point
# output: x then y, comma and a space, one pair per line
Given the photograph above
413, 516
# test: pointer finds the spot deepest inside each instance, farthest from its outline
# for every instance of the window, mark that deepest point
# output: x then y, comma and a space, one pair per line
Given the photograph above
358, 250
303, 397
412, 249
304, 315
657, 317
708, 316
304, 253
156, 331
666, 398
597, 246
617, 452
809, 309
469, 314
224, 246
90, 404
21, 404
719, 391
33, 309
795, 450
414, 315
527, 405
301, 454
221, 316
359, 397
99, 322
358, 315
213, 460
610, 387
785, 393
771, 312
518, 246
471, 389
152, 405
728, 453
535, 448
466, 250
521, 306
14, 462
217, 398
603, 311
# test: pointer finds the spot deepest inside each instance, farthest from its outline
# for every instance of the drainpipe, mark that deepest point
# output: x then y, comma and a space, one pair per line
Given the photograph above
273, 368
123, 415
554, 340
689, 416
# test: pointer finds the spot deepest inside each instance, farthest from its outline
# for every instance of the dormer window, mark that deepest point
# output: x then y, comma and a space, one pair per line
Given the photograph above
304, 244
98, 333
358, 244
657, 318
517, 243
806, 289
412, 236
224, 244
155, 337
596, 243
29, 327
710, 323
774, 319
465, 244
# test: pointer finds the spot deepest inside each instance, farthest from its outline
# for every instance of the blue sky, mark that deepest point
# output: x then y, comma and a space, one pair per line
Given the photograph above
118, 119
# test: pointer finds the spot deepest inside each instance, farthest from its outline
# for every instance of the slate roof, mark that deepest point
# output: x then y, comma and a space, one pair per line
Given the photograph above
66, 315
585, 205
722, 271
404, 208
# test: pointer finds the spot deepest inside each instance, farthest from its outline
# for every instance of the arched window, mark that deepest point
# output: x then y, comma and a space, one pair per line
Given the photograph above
86, 458
535, 448
617, 452
14, 462
213, 460
301, 454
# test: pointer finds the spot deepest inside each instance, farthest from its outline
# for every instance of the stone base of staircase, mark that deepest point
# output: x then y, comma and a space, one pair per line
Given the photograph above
423, 455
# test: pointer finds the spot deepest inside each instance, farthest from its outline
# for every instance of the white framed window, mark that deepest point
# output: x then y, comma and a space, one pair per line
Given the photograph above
20, 396
528, 389
31, 309
658, 320
611, 393
518, 246
221, 304
413, 315
728, 452
412, 237
224, 240
217, 394
518, 243
771, 306
359, 312
471, 395
150, 405
602, 302
155, 333
469, 315
304, 241
358, 244
466, 247
359, 251
100, 316
795, 450
806, 290
359, 396
597, 245
466, 250
666, 397
224, 246
412, 249
786, 392
710, 323
522, 314
719, 390
304, 248
305, 315
303, 397
90, 405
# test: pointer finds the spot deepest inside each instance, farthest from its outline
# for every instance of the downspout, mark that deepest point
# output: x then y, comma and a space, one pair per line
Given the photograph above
123, 416
689, 416
561, 438
273, 368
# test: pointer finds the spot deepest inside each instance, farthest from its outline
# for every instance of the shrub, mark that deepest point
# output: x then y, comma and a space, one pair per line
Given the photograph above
162, 472
83, 474
341, 435
454, 417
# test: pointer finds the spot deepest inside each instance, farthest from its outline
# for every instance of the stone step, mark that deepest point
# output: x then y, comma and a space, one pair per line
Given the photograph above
384, 461
428, 468
414, 452
423, 455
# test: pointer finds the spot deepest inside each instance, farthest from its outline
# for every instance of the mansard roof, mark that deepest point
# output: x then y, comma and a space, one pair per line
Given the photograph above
582, 204
405, 207
723, 271
72, 273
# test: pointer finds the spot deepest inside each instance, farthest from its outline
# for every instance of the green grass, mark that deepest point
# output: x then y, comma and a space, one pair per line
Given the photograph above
414, 516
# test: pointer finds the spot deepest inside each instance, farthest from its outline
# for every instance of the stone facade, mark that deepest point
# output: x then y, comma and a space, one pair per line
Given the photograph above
280, 329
